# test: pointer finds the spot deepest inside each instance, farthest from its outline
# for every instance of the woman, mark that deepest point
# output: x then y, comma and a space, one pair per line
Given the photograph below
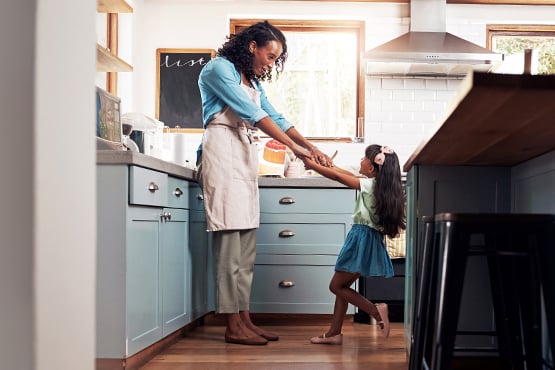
234, 104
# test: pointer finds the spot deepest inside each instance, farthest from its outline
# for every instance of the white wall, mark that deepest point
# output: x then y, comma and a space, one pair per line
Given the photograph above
47, 191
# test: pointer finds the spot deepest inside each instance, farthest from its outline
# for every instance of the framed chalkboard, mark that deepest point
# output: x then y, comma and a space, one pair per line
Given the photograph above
178, 102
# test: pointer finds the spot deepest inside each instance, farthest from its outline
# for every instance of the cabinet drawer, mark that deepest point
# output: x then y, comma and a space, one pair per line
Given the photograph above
280, 200
147, 187
292, 289
300, 238
178, 193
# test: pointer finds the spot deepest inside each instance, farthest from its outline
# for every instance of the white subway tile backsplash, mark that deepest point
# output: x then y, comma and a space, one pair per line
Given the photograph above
454, 84
393, 105
392, 83
373, 105
377, 117
446, 95
380, 94
373, 83
434, 106
436, 84
402, 110
401, 117
414, 83
403, 95
423, 116
422, 95
393, 127
412, 106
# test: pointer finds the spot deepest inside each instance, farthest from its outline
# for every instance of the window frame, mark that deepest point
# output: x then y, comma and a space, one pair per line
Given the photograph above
357, 26
518, 30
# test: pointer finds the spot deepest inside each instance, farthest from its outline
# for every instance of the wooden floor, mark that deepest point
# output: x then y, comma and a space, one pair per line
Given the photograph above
363, 348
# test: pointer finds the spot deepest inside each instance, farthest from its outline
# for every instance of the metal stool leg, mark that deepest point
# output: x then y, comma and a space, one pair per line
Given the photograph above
423, 270
452, 260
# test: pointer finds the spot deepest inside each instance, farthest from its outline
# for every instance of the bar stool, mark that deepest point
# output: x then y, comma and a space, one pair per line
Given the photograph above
519, 249
422, 322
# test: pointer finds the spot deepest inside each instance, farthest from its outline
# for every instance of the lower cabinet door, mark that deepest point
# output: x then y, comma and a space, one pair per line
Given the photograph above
174, 269
143, 309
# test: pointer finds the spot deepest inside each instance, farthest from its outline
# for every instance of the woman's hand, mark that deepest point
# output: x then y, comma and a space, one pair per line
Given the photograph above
300, 152
321, 158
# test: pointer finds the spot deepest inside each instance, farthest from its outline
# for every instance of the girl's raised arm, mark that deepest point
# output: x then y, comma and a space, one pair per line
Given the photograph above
334, 173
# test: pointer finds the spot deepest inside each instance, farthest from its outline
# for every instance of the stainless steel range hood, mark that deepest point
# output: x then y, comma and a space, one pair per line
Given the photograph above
427, 49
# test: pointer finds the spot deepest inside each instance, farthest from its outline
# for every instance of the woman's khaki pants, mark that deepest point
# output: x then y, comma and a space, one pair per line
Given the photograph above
234, 253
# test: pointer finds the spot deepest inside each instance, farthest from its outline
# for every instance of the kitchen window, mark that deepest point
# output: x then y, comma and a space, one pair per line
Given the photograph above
512, 40
321, 89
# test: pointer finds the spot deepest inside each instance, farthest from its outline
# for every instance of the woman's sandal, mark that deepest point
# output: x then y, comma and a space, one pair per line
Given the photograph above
335, 339
384, 322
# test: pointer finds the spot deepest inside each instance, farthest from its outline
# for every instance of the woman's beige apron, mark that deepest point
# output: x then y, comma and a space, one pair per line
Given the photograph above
230, 172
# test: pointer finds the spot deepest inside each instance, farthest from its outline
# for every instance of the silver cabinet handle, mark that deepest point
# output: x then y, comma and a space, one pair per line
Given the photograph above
152, 187
178, 192
165, 216
286, 200
200, 197
286, 284
286, 233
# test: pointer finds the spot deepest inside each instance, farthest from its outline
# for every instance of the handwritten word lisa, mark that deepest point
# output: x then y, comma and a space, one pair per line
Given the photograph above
182, 63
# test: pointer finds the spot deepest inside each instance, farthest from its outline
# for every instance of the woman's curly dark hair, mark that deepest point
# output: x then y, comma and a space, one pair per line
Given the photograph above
236, 49
389, 194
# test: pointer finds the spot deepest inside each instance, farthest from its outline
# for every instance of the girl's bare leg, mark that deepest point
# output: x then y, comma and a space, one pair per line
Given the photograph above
340, 285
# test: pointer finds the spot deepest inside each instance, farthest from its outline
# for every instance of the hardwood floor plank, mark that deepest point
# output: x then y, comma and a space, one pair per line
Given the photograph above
363, 348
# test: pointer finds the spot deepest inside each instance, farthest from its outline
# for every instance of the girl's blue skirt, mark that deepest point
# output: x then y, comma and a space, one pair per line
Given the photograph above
364, 252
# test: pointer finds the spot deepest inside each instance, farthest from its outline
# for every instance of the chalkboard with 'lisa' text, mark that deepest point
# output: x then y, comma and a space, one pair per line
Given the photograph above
178, 100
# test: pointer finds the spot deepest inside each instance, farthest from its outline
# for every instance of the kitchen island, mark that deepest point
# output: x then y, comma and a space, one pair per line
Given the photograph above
493, 153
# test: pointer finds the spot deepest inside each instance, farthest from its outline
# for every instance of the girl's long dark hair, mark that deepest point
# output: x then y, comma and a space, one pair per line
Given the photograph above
389, 212
236, 49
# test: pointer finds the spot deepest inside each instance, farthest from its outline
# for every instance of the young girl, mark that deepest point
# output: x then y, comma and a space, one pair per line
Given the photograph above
379, 211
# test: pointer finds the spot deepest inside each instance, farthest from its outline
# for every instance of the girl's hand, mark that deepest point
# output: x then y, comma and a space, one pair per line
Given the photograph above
309, 163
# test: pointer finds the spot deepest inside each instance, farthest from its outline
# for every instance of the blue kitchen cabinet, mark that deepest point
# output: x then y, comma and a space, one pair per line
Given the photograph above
143, 267
300, 235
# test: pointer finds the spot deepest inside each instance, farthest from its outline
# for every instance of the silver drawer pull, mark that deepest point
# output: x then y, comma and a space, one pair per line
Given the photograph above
152, 187
178, 192
200, 197
286, 284
286, 233
286, 200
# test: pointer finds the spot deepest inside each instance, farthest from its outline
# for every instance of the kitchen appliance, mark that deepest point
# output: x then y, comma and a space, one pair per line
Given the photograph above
147, 133
427, 49
126, 140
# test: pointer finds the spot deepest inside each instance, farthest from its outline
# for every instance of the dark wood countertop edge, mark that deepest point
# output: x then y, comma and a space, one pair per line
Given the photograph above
473, 86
